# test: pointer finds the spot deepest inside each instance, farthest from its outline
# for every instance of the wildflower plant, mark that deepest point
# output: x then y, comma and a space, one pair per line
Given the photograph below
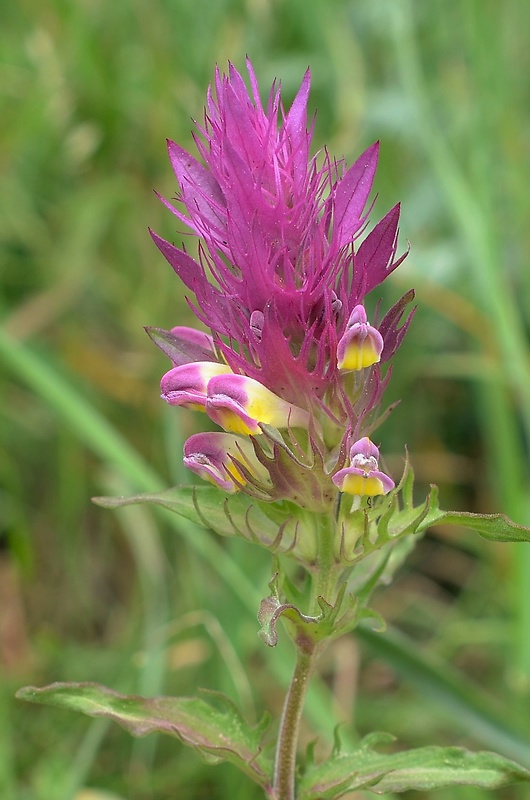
292, 372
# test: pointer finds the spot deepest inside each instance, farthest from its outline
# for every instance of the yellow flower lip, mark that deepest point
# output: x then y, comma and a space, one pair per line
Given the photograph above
363, 477
362, 485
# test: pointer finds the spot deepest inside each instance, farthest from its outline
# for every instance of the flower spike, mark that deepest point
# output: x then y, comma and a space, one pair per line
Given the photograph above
284, 264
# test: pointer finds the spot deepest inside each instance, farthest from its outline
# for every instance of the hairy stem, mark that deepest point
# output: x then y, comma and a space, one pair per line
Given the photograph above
285, 763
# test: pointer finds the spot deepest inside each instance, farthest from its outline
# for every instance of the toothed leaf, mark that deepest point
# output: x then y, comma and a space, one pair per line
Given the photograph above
424, 768
227, 515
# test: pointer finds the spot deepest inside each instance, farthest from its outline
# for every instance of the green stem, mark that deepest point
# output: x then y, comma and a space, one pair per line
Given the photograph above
326, 569
285, 764
324, 580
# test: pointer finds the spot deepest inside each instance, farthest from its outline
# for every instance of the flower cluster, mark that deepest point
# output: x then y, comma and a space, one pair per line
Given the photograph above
292, 369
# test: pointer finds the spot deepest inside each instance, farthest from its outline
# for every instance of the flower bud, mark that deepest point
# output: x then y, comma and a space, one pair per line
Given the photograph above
186, 385
239, 404
363, 478
361, 344
183, 345
192, 336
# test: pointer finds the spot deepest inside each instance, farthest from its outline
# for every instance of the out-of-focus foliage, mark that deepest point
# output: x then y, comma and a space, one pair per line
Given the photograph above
88, 92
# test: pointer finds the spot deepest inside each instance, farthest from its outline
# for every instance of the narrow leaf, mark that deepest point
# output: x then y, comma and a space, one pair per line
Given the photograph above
221, 734
496, 527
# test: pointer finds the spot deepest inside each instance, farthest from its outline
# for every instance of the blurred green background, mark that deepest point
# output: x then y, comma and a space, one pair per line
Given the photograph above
89, 90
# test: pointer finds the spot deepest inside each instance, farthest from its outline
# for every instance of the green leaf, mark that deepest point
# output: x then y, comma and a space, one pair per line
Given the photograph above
395, 518
424, 768
218, 734
496, 527
389, 522
227, 515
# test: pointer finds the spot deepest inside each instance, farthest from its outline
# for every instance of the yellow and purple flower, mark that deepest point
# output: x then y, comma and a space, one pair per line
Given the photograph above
363, 478
241, 404
361, 345
223, 459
